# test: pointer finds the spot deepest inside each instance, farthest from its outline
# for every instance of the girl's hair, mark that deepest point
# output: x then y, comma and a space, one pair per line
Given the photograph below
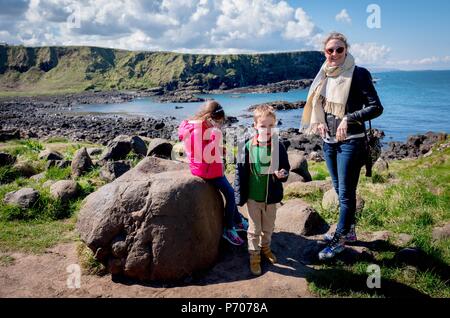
336, 36
210, 109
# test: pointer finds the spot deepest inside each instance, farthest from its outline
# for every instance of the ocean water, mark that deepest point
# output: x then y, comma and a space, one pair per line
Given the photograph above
414, 102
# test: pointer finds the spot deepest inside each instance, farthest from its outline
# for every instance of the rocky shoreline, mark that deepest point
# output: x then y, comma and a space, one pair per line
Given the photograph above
186, 92
50, 116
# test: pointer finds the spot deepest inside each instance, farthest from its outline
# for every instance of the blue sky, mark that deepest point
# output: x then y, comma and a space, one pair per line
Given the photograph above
413, 35
414, 30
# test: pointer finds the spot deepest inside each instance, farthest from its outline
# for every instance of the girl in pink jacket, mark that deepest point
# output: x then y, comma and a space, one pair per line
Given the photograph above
202, 139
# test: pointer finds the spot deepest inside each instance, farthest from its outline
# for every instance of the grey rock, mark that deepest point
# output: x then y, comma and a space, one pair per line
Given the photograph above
160, 148
65, 190
160, 218
24, 198
81, 162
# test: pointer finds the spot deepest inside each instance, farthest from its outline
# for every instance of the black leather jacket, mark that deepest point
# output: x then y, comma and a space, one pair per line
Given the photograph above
363, 104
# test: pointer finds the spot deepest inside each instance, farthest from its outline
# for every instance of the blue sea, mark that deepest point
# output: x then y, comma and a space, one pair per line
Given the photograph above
414, 102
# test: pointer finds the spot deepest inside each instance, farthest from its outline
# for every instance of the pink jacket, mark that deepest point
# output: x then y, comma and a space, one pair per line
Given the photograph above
200, 145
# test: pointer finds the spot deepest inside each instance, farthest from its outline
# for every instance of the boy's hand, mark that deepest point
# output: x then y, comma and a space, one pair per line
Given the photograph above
281, 174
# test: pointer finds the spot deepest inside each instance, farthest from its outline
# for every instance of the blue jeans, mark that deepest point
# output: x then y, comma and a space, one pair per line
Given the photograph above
344, 161
232, 215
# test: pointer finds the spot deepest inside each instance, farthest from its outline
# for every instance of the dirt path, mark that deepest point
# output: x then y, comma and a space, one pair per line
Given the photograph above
46, 276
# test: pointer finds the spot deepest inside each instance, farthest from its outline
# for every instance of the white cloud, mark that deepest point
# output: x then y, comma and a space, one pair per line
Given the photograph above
302, 28
427, 61
343, 16
195, 26
369, 53
203, 25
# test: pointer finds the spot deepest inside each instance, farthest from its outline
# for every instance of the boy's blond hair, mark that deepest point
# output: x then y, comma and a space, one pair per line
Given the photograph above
263, 111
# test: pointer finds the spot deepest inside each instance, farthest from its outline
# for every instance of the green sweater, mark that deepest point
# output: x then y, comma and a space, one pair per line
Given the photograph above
259, 164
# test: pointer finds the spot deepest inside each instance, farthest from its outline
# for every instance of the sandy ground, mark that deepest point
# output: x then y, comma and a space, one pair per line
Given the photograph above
46, 275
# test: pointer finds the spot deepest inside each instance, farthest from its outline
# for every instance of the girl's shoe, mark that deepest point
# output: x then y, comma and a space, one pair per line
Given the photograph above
243, 226
336, 246
231, 236
349, 238
255, 263
268, 254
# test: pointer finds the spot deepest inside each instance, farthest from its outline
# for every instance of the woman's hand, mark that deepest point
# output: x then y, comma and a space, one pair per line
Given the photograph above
322, 130
341, 132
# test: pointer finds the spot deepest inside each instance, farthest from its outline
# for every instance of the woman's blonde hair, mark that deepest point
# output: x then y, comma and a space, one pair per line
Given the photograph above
336, 36
210, 109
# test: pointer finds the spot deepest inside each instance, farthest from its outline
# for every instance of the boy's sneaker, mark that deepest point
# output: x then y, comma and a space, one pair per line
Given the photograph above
231, 236
349, 238
336, 246
242, 226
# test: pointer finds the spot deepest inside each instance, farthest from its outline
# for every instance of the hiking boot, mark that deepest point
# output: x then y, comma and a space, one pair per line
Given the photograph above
255, 263
268, 254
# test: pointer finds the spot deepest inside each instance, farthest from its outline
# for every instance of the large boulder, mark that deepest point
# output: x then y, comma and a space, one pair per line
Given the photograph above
64, 190
138, 146
117, 149
299, 164
153, 226
297, 217
153, 165
111, 170
24, 198
81, 162
160, 148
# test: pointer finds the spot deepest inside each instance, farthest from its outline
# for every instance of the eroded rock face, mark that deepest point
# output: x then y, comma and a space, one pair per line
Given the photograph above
154, 226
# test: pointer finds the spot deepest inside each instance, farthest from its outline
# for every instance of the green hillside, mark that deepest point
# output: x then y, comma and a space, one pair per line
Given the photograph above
40, 70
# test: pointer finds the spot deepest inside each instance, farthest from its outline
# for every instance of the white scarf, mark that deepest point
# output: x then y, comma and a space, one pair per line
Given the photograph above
338, 80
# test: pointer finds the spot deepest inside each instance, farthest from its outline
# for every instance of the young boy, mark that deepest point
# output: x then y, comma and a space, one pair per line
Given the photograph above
258, 183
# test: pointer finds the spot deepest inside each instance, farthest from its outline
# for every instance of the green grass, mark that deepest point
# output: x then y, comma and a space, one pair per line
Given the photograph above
56, 173
34, 236
8, 174
24, 149
6, 260
133, 158
89, 264
318, 170
48, 221
57, 139
412, 197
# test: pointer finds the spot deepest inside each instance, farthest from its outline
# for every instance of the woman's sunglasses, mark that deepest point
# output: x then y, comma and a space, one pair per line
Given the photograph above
339, 50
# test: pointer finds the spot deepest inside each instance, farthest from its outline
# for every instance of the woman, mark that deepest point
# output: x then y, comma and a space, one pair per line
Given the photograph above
341, 98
